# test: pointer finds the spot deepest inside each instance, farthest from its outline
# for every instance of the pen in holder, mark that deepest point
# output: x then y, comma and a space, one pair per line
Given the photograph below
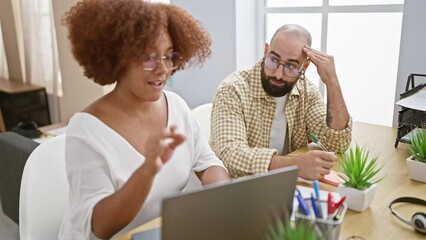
327, 227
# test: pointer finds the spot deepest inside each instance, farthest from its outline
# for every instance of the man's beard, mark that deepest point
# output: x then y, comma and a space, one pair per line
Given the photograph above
273, 90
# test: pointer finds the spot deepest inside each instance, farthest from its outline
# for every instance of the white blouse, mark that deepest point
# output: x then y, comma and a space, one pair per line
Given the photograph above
99, 161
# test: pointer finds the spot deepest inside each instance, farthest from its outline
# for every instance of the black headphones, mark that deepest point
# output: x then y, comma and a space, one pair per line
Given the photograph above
27, 129
418, 220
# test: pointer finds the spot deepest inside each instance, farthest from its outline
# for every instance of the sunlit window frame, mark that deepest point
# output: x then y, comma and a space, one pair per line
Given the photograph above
325, 10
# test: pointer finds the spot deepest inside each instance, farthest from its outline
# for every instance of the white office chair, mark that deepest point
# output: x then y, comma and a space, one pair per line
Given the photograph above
44, 191
202, 115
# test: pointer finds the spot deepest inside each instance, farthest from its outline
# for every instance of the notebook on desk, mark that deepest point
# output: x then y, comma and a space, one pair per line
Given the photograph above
332, 178
240, 210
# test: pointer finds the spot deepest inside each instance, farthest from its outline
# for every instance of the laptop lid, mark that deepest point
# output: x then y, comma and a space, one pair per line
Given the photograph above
243, 209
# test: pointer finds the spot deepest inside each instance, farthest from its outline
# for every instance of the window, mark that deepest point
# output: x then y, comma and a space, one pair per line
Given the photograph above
41, 60
364, 38
293, 3
4, 71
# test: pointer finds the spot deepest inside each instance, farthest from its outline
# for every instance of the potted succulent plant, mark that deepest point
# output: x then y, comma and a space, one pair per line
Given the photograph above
416, 163
286, 231
359, 172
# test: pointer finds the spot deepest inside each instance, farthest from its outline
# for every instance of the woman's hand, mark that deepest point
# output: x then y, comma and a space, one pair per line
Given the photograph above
160, 147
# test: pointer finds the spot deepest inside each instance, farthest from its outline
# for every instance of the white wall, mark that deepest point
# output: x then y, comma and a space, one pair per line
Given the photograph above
247, 45
232, 26
413, 47
197, 85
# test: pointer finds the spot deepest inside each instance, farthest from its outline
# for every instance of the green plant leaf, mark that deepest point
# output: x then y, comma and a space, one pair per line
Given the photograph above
286, 231
357, 169
418, 144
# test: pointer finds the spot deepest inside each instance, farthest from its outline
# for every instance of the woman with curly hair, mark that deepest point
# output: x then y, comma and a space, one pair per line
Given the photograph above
137, 144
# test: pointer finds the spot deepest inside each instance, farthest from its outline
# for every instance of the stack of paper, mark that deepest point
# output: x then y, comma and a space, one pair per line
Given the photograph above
417, 101
408, 136
332, 178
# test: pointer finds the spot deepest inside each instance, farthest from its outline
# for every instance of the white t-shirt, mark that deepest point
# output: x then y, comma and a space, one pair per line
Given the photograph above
279, 126
99, 161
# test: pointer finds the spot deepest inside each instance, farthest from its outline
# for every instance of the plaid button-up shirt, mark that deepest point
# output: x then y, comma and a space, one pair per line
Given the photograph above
242, 115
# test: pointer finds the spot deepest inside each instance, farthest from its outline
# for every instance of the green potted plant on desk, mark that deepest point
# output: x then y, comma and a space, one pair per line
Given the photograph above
287, 231
416, 163
359, 172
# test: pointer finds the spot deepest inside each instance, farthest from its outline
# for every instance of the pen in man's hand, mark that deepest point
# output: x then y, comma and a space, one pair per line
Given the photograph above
317, 142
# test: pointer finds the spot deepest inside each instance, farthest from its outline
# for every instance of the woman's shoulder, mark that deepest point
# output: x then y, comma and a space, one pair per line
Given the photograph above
84, 123
170, 94
79, 118
173, 99
179, 111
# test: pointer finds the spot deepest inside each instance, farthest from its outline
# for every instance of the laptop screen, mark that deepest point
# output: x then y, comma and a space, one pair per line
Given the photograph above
243, 209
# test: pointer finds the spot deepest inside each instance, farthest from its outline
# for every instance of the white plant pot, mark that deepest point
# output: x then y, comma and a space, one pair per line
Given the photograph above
416, 169
358, 200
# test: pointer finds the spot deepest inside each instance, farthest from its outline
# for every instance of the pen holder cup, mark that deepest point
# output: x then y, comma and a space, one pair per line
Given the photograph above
325, 228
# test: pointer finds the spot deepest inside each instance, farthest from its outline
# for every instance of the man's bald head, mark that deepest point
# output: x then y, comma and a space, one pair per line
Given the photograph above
294, 29
286, 48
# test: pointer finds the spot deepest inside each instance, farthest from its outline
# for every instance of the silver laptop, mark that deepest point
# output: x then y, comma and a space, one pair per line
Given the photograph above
243, 209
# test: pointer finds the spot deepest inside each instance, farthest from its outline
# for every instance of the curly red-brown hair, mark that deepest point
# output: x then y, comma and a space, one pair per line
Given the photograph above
107, 35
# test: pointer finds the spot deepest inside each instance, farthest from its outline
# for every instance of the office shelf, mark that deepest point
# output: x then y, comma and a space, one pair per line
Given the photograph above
23, 102
408, 118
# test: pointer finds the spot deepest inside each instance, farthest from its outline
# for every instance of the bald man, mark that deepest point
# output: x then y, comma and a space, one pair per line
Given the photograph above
262, 113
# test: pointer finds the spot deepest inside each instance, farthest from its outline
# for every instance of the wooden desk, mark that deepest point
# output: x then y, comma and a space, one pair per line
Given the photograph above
376, 222
9, 86
50, 131
54, 126
149, 225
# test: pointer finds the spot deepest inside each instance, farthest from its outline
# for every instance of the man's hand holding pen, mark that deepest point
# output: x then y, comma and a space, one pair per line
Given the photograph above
313, 165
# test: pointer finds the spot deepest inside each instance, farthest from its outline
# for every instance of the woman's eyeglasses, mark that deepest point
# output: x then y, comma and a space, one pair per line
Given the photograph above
171, 61
272, 63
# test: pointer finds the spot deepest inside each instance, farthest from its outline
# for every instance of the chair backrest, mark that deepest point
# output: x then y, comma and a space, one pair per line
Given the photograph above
44, 191
14, 152
202, 115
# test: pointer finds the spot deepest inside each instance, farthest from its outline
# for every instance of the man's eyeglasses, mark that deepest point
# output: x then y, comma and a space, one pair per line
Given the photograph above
171, 61
273, 63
